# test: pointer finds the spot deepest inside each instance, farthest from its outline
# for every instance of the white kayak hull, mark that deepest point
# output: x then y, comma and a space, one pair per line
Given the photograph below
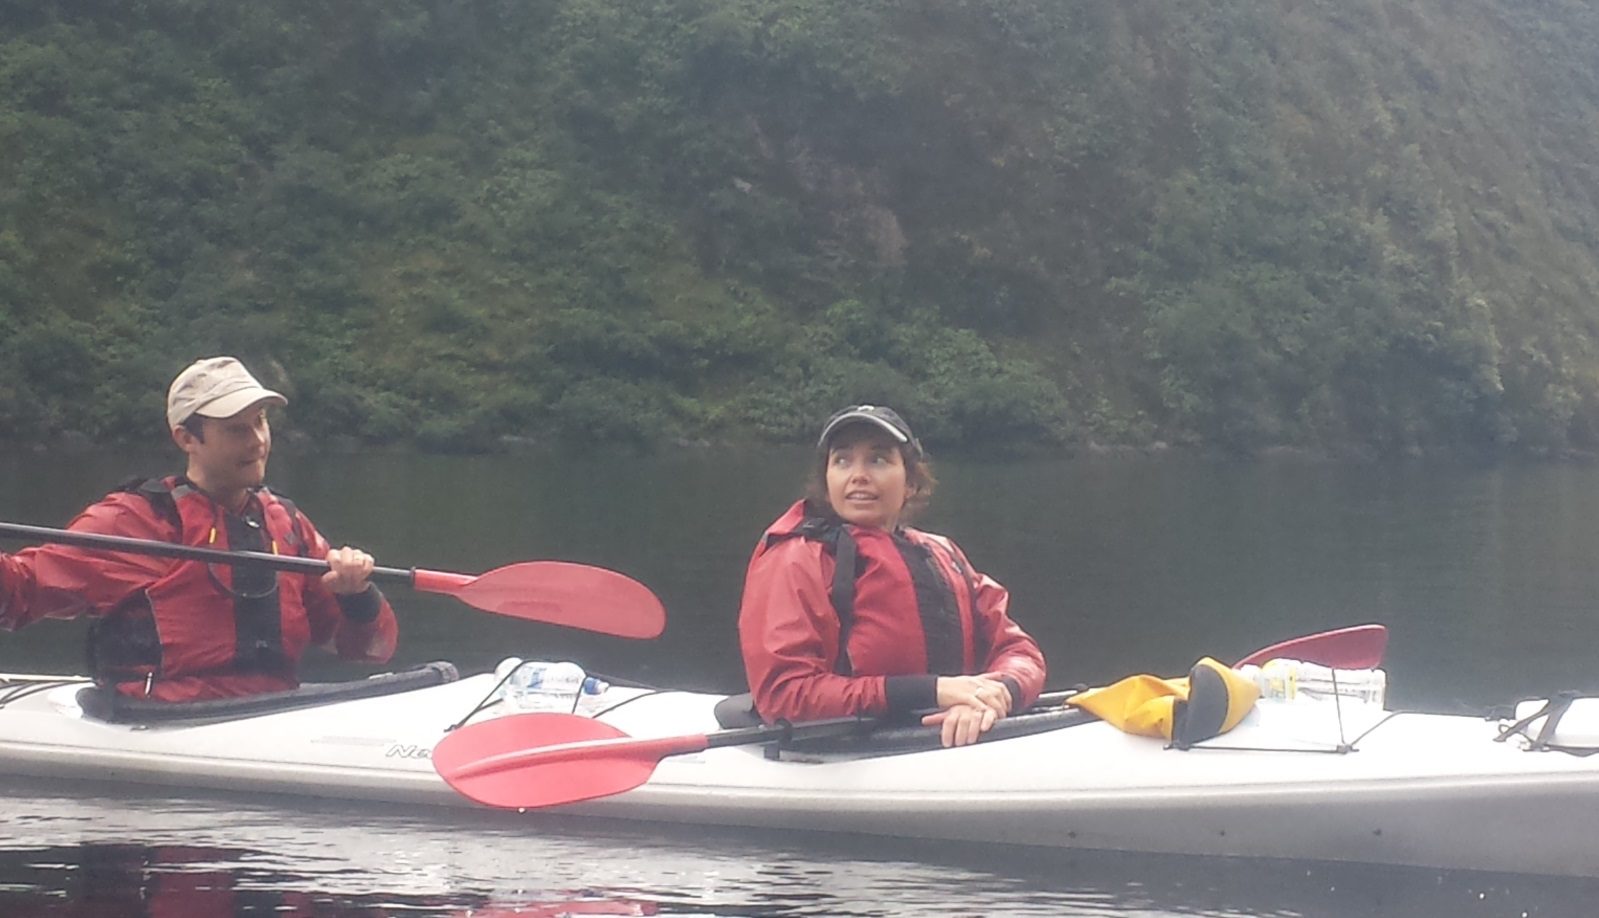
1419, 789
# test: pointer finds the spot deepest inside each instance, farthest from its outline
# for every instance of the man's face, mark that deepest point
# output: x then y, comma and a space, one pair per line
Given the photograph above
232, 453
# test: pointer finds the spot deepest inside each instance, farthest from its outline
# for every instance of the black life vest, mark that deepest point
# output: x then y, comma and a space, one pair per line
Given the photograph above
172, 627
937, 605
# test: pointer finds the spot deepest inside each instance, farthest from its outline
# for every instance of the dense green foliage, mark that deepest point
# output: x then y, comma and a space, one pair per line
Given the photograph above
1333, 224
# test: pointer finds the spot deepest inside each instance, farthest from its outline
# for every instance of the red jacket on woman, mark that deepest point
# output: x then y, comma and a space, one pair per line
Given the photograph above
176, 630
919, 611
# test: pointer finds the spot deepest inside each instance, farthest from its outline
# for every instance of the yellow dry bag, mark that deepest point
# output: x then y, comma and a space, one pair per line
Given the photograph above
1211, 700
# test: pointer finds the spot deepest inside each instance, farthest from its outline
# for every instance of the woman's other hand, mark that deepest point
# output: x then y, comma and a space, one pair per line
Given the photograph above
962, 724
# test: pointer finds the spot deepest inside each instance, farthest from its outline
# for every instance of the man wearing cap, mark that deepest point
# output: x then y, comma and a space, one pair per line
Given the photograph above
177, 630
847, 611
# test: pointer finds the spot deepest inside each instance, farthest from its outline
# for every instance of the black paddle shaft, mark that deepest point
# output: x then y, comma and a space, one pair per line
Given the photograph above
785, 732
290, 563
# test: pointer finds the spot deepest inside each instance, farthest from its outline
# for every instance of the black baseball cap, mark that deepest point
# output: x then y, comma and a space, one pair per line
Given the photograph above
886, 418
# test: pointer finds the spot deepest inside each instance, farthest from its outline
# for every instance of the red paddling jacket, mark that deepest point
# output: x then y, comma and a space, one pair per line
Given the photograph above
177, 630
841, 620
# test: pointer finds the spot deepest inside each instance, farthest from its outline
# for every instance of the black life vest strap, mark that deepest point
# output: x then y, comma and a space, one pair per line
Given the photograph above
980, 642
936, 606
298, 542
836, 541
846, 568
123, 645
160, 496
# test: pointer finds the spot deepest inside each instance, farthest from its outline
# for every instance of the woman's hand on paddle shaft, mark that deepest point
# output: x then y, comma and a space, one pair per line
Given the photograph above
968, 707
348, 570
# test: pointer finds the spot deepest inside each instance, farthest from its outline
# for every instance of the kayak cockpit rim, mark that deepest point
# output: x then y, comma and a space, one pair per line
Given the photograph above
106, 705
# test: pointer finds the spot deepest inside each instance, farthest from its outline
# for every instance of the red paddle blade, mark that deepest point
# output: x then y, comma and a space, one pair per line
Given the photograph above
559, 593
535, 760
1356, 647
459, 759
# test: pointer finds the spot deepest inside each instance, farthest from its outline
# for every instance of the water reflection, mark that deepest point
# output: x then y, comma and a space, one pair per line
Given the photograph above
76, 854
193, 881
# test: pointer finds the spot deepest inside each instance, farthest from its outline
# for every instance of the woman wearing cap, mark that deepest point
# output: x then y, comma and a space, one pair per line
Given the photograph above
847, 611
171, 630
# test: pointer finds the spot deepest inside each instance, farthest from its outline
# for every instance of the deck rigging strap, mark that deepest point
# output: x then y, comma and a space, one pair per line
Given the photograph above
1553, 710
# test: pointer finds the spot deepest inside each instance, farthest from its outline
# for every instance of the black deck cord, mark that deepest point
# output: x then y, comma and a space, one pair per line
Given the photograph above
1340, 749
487, 701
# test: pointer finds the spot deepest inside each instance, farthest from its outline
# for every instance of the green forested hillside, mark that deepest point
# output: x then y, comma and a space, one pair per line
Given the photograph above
1330, 224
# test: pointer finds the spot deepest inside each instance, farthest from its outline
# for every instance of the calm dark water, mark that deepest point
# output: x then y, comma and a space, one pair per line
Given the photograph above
1484, 575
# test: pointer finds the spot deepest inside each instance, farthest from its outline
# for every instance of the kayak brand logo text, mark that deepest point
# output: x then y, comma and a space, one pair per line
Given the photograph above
407, 751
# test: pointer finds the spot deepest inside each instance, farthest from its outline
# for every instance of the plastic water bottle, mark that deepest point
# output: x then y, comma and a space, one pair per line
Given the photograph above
1284, 680
1369, 685
536, 685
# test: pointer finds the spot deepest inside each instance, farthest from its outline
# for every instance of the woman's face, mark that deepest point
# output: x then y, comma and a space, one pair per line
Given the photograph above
866, 477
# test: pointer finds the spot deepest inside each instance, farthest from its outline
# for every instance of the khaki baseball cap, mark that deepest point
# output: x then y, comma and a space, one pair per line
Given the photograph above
215, 387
